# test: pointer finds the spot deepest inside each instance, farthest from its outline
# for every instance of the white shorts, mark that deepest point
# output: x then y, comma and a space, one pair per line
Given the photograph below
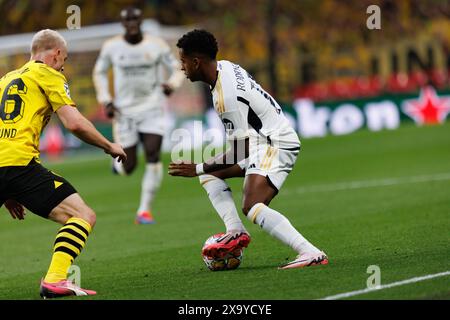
126, 128
272, 162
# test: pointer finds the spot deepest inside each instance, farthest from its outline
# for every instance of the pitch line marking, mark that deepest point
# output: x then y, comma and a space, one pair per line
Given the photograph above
386, 286
370, 183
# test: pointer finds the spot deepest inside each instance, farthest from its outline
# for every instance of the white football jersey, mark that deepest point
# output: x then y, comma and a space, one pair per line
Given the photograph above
137, 73
246, 110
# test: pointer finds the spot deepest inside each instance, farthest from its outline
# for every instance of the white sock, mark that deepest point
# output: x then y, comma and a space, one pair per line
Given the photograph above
279, 227
220, 195
119, 167
150, 184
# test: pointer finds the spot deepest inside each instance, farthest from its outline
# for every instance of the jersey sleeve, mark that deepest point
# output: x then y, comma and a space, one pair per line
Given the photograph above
100, 75
56, 89
234, 116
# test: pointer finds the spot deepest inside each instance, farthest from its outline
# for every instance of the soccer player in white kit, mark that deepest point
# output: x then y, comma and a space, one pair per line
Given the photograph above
137, 110
264, 148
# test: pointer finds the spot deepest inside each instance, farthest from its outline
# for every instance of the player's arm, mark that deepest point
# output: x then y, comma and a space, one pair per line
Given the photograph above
236, 129
101, 81
239, 151
81, 127
56, 90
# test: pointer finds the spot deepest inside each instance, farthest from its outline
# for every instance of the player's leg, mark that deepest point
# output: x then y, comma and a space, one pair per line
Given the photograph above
151, 126
151, 181
130, 164
51, 196
268, 168
125, 133
77, 220
258, 192
219, 194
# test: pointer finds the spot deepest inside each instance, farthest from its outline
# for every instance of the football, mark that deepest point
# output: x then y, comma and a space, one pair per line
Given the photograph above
229, 262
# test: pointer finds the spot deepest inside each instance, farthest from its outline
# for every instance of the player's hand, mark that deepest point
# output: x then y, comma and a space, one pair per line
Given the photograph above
116, 150
16, 210
167, 89
111, 110
182, 169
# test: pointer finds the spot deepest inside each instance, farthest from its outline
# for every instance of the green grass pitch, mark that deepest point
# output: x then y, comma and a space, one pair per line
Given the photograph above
365, 199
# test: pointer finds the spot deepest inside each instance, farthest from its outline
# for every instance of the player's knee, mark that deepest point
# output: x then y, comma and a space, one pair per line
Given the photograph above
152, 157
129, 167
88, 215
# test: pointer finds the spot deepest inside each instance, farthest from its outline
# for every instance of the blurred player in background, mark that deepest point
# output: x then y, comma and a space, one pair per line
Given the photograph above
264, 148
29, 96
137, 109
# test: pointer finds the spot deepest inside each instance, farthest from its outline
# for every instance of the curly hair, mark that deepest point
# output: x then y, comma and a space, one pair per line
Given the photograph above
200, 42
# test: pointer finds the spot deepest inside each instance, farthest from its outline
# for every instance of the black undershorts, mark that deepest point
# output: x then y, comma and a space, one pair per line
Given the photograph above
35, 187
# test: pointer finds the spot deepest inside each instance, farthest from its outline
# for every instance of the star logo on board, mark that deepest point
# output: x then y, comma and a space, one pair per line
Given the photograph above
429, 108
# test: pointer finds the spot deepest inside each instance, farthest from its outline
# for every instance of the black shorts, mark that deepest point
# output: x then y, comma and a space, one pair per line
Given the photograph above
35, 187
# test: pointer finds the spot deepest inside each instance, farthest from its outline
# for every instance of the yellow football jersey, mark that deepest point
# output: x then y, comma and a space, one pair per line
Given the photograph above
29, 96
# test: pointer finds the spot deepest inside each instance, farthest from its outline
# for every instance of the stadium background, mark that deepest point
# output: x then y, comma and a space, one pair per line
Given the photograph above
368, 198
284, 44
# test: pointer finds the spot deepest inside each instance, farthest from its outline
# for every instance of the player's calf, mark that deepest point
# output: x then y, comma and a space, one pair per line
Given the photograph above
87, 215
69, 242
279, 227
73, 207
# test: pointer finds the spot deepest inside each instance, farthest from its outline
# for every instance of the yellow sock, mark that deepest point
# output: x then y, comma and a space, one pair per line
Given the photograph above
69, 242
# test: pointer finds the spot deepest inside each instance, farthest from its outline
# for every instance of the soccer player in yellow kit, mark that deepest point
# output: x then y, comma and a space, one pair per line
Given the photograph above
29, 96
